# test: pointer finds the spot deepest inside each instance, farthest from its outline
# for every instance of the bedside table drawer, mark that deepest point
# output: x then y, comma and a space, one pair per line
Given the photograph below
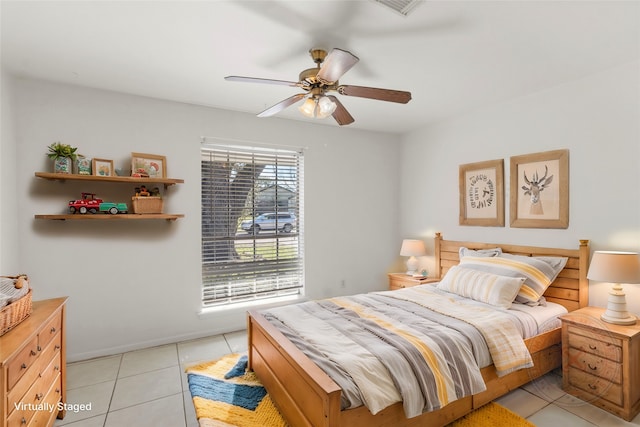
596, 365
601, 361
593, 343
596, 386
401, 281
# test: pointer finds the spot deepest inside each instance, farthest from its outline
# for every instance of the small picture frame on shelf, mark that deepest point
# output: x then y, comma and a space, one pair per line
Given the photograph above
83, 165
148, 165
102, 167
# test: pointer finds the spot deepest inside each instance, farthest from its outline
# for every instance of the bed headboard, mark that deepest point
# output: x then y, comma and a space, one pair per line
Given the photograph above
571, 287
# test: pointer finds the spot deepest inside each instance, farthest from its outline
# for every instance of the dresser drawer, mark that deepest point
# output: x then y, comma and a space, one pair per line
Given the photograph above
51, 400
22, 362
49, 331
51, 352
596, 386
35, 399
43, 373
52, 348
20, 417
596, 365
597, 344
42, 409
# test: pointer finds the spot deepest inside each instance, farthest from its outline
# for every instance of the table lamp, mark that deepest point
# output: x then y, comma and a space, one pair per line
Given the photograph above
616, 268
412, 249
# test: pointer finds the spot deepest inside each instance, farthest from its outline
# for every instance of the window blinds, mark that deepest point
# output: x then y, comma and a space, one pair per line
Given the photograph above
252, 240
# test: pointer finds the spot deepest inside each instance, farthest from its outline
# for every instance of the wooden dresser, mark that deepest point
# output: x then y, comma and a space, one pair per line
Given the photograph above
601, 362
32, 367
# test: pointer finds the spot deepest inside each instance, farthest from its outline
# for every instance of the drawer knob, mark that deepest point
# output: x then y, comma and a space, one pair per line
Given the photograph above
53, 330
57, 347
33, 352
23, 366
39, 396
23, 420
56, 368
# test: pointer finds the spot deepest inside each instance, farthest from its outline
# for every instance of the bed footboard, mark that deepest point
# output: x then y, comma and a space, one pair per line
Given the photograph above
304, 394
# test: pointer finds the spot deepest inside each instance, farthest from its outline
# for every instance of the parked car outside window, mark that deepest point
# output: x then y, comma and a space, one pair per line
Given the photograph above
270, 221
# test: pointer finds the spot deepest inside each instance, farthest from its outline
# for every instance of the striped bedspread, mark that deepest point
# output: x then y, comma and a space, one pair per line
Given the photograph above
416, 345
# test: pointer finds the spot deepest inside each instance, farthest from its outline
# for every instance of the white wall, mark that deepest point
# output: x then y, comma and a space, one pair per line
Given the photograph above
597, 118
9, 258
133, 284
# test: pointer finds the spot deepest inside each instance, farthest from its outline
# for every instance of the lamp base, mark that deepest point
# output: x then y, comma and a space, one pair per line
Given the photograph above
412, 265
629, 320
617, 308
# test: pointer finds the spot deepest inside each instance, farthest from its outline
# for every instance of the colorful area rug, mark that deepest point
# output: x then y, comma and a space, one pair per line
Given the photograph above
226, 395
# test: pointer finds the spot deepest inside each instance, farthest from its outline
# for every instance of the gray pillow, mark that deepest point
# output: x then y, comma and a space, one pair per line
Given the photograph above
479, 252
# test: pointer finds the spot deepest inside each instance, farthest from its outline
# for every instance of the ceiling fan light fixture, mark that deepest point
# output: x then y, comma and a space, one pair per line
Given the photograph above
308, 108
318, 107
326, 107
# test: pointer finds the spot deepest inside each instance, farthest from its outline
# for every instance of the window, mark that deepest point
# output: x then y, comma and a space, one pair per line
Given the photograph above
252, 240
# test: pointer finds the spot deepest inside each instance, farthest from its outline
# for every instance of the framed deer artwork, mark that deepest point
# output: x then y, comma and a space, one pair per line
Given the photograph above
540, 190
482, 193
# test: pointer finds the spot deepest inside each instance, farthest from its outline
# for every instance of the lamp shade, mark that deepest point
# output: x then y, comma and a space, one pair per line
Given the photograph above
413, 248
615, 267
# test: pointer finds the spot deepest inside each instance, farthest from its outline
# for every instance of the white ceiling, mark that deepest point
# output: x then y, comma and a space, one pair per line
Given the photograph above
453, 56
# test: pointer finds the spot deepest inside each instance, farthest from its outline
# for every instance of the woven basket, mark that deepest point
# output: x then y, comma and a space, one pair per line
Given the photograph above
146, 205
14, 313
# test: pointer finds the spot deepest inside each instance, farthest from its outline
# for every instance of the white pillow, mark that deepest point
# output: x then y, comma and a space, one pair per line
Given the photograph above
489, 288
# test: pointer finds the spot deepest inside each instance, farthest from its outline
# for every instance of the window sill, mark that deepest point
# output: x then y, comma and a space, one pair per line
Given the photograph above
265, 303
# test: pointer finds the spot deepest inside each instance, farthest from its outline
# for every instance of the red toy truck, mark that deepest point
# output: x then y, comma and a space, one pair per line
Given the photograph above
88, 203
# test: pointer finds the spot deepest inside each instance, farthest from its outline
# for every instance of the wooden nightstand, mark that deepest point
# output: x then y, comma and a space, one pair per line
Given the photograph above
402, 280
601, 362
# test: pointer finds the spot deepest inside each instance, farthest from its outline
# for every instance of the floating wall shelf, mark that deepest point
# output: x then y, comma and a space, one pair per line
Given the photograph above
116, 179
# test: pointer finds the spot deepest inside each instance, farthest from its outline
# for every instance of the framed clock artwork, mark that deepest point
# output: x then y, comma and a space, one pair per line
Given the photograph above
482, 193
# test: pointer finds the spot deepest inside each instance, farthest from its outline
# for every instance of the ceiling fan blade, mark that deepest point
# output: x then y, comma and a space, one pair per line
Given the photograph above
258, 80
375, 93
341, 114
335, 65
282, 105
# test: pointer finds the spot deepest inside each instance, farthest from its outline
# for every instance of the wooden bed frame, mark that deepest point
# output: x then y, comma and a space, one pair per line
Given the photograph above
306, 396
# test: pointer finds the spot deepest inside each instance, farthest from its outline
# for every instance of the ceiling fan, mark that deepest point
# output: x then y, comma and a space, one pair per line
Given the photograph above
317, 82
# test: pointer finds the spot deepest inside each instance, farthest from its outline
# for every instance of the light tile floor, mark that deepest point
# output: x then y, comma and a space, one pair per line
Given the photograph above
148, 388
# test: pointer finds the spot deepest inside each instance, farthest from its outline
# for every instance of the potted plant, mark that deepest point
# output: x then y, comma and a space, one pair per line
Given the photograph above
63, 156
